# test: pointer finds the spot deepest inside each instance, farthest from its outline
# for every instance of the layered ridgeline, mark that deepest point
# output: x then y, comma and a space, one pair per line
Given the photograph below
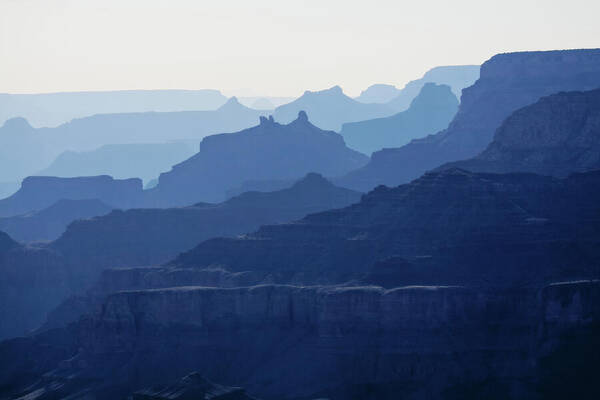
330, 108
26, 151
141, 237
529, 229
52, 109
121, 161
457, 77
264, 152
555, 136
154, 236
507, 82
51, 222
39, 192
429, 112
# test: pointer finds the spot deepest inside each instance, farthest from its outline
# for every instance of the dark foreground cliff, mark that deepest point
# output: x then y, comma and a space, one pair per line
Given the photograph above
289, 342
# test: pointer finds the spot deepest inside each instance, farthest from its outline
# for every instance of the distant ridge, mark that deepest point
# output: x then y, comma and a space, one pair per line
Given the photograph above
329, 109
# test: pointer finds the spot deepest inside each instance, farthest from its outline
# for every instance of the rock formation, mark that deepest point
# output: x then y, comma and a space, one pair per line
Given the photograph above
330, 108
268, 151
507, 82
431, 111
558, 135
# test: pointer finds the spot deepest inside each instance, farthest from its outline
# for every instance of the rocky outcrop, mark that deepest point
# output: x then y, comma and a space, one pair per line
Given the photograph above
40, 192
311, 342
269, 151
51, 222
431, 111
558, 135
507, 83
330, 108
445, 223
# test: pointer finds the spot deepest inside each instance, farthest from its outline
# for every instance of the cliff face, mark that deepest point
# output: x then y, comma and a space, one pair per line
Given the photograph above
431, 111
507, 82
334, 342
445, 224
558, 135
264, 152
39, 192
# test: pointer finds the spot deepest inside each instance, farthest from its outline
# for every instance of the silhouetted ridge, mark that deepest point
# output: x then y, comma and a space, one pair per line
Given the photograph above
6, 242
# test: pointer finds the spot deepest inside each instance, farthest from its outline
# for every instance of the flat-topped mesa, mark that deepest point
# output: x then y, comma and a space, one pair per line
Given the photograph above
39, 192
268, 151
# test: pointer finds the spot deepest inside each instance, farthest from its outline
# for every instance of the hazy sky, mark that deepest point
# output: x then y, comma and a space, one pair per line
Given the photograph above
273, 47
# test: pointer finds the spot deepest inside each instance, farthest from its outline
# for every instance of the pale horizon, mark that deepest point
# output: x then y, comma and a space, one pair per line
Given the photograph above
267, 48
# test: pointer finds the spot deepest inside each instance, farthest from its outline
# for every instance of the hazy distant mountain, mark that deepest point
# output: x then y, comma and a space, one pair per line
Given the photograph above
378, 93
457, 77
22, 151
38, 192
558, 135
26, 151
8, 188
52, 109
431, 111
144, 160
264, 102
508, 82
269, 151
329, 109
51, 222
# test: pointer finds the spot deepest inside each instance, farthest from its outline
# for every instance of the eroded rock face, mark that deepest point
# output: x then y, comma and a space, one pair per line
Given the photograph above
334, 342
558, 135
507, 83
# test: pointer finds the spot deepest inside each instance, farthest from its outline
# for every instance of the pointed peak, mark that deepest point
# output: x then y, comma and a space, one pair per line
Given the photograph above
17, 123
302, 116
312, 180
232, 102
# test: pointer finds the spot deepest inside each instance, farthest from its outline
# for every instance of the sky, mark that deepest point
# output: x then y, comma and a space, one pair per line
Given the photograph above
269, 47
